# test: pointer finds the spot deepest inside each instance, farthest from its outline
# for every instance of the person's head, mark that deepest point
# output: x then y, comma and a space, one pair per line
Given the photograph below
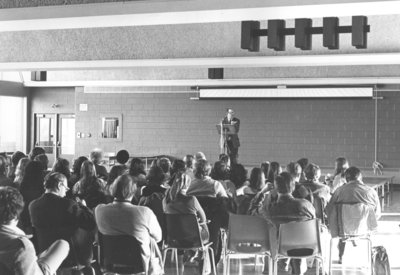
294, 169
122, 156
123, 188
220, 171
16, 157
341, 164
11, 205
56, 183
199, 156
257, 179
20, 170
96, 156
33, 177
303, 163
62, 166
76, 168
284, 183
189, 161
3, 165
164, 164
202, 169
178, 166
265, 168
273, 171
238, 175
155, 176
137, 167
230, 113
44, 160
353, 173
88, 170
36, 151
225, 158
312, 172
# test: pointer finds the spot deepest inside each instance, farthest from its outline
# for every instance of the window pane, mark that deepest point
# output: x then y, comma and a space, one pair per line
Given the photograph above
12, 124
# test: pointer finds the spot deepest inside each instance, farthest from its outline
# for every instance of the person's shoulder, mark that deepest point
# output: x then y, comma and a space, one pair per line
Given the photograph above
236, 119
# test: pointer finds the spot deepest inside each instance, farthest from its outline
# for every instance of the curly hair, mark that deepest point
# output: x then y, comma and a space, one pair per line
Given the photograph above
11, 204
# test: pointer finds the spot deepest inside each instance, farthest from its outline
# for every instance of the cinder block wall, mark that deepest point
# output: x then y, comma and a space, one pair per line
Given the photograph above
279, 129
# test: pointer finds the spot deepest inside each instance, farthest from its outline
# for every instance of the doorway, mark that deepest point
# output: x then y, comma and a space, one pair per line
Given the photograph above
55, 133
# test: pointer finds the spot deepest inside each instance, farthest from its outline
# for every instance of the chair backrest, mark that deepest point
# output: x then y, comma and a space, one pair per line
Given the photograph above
248, 234
319, 205
121, 254
355, 219
183, 231
299, 238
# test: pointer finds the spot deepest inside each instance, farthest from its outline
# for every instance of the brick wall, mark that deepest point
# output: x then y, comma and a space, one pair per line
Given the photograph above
277, 129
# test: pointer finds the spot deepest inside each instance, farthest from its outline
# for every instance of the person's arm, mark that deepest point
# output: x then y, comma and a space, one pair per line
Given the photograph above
199, 211
153, 225
25, 262
220, 190
237, 126
83, 216
377, 208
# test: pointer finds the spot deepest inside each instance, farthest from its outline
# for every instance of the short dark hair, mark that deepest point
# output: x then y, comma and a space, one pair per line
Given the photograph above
340, 165
36, 151
11, 204
273, 171
155, 176
3, 165
303, 163
202, 169
76, 168
255, 176
123, 187
122, 156
44, 161
311, 171
52, 180
16, 157
284, 183
189, 161
294, 169
238, 175
178, 165
137, 167
352, 173
164, 164
220, 171
62, 166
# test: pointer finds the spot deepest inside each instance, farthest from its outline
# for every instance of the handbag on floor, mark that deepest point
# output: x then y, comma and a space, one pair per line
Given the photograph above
380, 261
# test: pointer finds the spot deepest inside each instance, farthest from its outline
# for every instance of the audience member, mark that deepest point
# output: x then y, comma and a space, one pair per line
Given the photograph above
35, 152
288, 209
203, 185
76, 171
273, 171
62, 166
225, 158
221, 173
4, 180
300, 191
303, 164
20, 172
165, 165
199, 156
14, 162
341, 164
189, 163
44, 161
319, 190
354, 191
154, 193
177, 171
247, 193
56, 217
18, 255
96, 156
138, 174
265, 168
31, 189
89, 187
123, 218
120, 168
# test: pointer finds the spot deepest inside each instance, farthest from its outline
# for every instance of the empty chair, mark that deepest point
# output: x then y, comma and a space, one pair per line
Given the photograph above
247, 235
352, 222
183, 233
298, 240
120, 254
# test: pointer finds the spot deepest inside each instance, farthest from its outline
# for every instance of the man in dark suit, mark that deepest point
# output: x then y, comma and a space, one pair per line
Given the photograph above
55, 217
232, 141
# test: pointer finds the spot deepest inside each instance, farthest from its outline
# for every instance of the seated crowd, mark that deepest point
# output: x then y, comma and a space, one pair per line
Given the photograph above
50, 219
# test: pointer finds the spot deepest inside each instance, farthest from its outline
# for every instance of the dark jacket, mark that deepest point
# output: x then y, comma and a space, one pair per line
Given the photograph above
234, 138
56, 218
101, 172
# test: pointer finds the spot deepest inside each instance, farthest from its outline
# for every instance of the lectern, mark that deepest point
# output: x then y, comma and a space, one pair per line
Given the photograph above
225, 130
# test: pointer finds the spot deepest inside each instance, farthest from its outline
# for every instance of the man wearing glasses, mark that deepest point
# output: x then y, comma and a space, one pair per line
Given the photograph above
55, 217
232, 140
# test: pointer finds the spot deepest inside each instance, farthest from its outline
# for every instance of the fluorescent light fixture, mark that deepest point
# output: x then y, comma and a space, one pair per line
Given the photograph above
287, 93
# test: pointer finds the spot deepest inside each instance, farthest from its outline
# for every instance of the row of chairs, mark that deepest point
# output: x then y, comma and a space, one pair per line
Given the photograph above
249, 235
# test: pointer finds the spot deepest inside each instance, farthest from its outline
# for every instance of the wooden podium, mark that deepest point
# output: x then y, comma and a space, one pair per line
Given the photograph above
225, 130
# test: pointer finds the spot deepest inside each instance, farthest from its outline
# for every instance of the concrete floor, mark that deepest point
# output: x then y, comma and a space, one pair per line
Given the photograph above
354, 259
